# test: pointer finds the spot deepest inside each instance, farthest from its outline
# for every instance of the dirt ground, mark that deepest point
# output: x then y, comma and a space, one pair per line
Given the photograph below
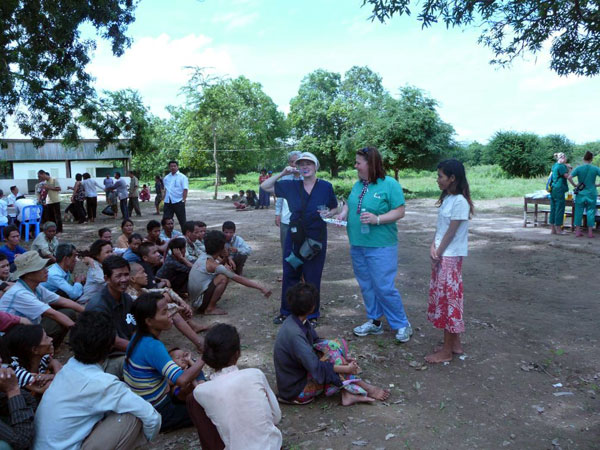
531, 301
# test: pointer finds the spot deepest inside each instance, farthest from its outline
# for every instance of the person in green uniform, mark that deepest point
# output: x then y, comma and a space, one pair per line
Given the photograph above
586, 198
560, 174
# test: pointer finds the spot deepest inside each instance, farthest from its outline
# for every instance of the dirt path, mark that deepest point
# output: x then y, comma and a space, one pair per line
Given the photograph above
531, 308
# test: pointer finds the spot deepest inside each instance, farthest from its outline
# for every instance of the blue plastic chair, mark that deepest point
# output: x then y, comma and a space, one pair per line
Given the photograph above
33, 213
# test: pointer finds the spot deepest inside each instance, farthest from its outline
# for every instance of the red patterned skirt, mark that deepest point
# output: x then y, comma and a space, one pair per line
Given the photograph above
445, 309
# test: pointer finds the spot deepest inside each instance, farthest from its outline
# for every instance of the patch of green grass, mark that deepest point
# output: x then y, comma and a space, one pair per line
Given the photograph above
486, 182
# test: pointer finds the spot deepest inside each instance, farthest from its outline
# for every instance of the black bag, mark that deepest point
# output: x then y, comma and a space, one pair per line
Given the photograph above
108, 211
297, 232
580, 187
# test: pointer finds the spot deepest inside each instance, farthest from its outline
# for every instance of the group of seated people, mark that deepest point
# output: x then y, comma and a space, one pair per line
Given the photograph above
123, 386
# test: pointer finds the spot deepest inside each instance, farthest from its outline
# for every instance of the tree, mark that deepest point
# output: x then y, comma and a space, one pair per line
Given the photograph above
43, 81
120, 117
520, 154
328, 110
512, 27
412, 133
557, 143
235, 116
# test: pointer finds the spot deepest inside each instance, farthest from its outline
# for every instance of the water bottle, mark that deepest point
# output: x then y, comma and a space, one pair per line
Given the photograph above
365, 228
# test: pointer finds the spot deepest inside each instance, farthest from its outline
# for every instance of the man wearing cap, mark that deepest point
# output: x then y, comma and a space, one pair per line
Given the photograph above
176, 191
306, 198
27, 298
46, 243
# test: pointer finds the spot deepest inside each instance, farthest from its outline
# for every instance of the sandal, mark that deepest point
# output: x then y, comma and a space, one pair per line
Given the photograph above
294, 402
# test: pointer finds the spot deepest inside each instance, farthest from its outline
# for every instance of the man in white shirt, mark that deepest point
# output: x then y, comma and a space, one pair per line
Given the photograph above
3, 209
176, 191
85, 406
14, 193
20, 203
122, 192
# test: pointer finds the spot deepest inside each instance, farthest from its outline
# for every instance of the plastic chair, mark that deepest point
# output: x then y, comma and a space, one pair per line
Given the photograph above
33, 213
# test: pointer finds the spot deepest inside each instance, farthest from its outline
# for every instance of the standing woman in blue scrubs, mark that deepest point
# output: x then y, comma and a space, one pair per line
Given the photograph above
375, 204
560, 174
304, 198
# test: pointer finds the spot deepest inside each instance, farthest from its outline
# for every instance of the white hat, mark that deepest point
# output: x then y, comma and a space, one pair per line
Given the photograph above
308, 156
28, 262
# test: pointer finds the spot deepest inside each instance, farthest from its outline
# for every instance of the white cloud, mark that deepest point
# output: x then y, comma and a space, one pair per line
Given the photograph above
236, 19
156, 66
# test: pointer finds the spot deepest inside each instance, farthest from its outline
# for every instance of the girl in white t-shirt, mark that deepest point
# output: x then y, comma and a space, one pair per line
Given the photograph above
447, 250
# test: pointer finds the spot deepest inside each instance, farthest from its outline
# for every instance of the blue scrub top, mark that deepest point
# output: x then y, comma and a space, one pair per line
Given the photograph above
322, 194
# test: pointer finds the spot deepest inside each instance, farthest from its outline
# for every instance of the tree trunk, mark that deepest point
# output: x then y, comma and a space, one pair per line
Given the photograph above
335, 167
217, 175
396, 174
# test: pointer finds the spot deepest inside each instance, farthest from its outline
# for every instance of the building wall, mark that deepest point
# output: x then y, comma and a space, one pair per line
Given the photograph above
28, 170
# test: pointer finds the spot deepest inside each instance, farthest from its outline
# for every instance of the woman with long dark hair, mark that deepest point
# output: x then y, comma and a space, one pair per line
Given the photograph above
149, 368
78, 198
375, 204
30, 351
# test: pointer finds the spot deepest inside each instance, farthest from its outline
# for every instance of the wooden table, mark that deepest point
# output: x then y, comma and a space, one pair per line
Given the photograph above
536, 202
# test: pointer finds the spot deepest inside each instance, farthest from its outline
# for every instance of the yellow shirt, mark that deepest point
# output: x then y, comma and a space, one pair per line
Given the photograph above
53, 196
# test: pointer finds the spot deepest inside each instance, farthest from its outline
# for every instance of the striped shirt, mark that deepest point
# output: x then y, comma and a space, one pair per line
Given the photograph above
149, 369
24, 377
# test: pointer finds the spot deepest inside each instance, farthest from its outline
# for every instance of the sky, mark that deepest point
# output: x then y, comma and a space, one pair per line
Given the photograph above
277, 43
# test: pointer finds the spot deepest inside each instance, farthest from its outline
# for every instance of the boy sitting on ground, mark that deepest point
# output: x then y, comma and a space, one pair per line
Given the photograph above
241, 201
236, 246
209, 277
153, 229
301, 374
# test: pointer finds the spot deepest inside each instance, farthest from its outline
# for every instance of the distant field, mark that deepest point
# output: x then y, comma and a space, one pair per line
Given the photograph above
486, 182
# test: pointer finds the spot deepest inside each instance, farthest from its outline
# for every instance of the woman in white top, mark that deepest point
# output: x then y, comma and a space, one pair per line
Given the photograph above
91, 196
240, 403
447, 251
94, 281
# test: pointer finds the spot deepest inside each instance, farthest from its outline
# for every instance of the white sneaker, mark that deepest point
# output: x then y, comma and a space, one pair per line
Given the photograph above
368, 328
404, 334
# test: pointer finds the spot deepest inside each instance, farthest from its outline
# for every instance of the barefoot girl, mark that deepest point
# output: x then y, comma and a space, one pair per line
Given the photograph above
302, 374
447, 250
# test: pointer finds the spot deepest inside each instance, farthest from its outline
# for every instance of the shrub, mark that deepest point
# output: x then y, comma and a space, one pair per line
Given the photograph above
520, 154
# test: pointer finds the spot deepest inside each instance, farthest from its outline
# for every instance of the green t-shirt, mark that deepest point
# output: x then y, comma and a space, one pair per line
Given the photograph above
587, 174
380, 198
558, 177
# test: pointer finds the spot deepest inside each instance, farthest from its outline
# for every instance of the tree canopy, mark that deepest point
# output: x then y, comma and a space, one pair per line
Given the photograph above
43, 56
513, 27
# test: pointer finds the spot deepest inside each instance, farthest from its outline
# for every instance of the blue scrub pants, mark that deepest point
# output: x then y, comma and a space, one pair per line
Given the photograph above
375, 270
311, 270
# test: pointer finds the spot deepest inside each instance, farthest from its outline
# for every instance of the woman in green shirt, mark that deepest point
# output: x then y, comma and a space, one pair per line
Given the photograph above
375, 204
586, 198
560, 173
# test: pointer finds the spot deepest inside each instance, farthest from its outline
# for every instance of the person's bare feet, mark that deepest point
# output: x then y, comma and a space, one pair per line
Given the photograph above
350, 399
457, 350
215, 312
439, 357
376, 392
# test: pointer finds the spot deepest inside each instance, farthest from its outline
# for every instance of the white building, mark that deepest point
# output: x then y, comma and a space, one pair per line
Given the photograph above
61, 162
